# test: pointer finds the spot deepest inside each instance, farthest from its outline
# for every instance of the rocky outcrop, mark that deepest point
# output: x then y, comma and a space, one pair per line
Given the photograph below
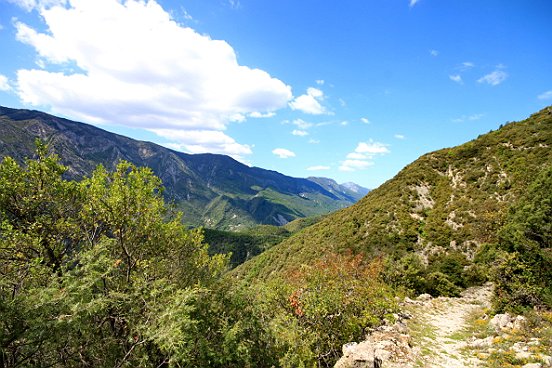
385, 347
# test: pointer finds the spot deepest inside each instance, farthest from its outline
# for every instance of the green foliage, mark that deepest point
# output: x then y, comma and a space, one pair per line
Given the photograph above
451, 265
316, 309
523, 269
103, 274
439, 283
444, 276
408, 273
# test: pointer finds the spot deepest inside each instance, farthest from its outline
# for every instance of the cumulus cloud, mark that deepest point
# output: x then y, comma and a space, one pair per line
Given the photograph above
433, 52
412, 3
300, 133
365, 120
456, 78
283, 153
4, 84
309, 103
314, 141
494, 78
318, 168
129, 63
362, 157
545, 95
399, 136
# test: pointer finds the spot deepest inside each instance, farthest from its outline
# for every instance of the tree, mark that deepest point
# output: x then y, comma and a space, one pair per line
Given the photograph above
99, 273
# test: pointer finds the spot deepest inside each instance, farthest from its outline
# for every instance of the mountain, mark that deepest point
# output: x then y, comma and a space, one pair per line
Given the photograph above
449, 201
355, 188
352, 191
215, 191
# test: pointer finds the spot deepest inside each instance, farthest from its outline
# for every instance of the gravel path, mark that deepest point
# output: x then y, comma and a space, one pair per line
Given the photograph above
447, 318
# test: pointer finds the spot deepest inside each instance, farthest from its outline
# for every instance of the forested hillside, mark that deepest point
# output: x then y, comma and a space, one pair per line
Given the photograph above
447, 202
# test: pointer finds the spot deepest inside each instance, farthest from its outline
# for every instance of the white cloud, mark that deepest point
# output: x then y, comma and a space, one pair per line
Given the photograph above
320, 82
354, 165
433, 52
283, 153
545, 95
362, 157
356, 156
203, 141
467, 65
4, 83
301, 124
256, 114
314, 141
372, 148
399, 136
309, 103
413, 2
300, 133
137, 67
318, 168
365, 120
456, 78
494, 78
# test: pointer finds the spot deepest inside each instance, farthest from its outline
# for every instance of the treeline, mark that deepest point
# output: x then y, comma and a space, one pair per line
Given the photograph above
101, 273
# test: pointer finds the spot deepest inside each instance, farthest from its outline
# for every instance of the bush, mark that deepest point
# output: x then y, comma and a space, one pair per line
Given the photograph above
439, 284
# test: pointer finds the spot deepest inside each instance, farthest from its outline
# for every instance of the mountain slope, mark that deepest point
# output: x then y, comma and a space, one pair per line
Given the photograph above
454, 199
212, 190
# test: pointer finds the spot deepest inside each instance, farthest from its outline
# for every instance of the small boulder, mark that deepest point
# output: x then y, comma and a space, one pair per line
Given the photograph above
502, 321
519, 323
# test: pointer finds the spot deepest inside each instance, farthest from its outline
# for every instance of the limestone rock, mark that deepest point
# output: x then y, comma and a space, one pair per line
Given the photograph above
502, 321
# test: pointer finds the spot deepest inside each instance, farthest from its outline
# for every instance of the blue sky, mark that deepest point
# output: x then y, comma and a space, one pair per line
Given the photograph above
352, 90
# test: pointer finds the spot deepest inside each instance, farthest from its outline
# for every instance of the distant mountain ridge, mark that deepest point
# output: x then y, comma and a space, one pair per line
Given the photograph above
212, 190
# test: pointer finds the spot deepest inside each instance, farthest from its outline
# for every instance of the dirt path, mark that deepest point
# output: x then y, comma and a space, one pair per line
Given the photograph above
439, 324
